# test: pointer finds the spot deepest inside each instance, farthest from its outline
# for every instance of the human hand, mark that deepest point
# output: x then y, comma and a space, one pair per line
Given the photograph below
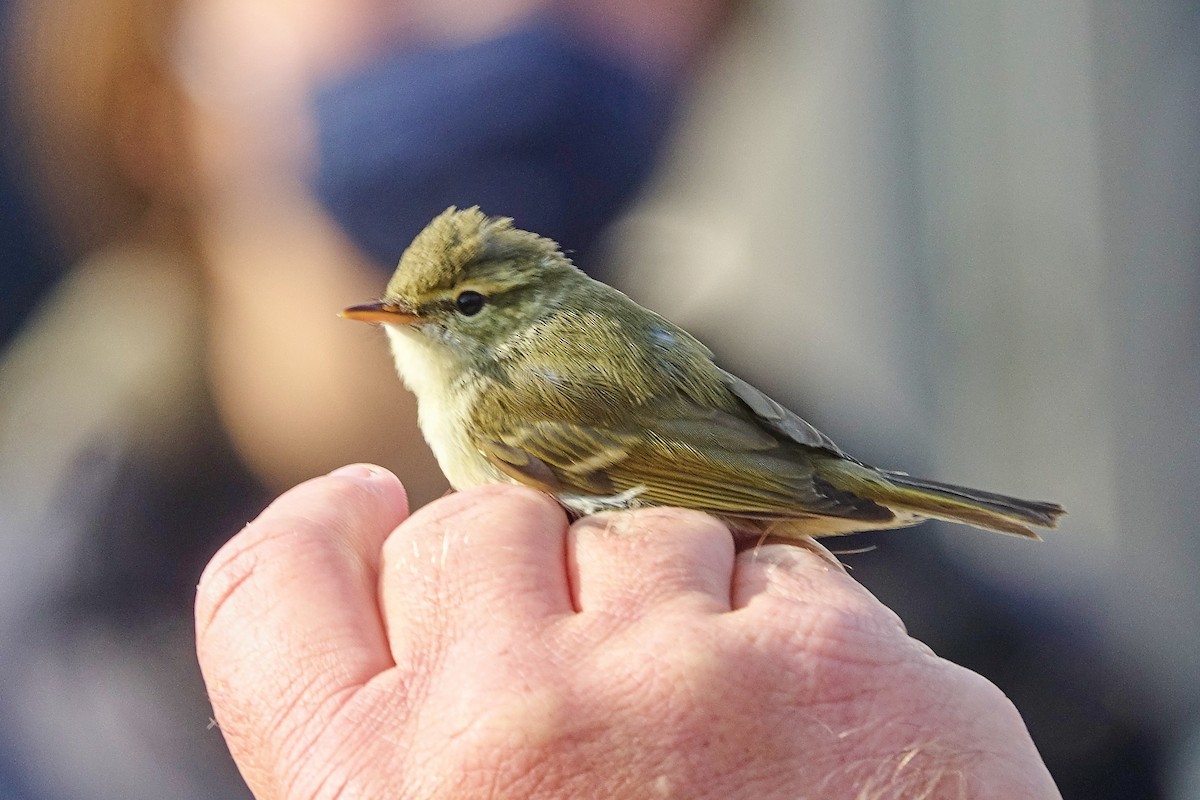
483, 648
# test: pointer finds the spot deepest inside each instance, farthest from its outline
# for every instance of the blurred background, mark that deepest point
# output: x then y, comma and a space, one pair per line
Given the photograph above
962, 238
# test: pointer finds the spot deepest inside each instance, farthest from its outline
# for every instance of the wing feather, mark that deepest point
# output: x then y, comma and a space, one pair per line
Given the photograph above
745, 477
680, 430
776, 417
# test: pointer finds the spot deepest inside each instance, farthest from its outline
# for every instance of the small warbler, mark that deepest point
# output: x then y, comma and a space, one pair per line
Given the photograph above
528, 371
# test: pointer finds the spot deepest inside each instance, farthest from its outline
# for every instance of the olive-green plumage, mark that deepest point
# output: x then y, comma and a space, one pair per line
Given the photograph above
528, 371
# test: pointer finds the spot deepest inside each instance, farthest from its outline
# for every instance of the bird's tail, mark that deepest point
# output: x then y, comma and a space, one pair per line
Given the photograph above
995, 512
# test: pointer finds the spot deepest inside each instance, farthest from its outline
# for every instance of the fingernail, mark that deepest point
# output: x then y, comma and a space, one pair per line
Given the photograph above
358, 471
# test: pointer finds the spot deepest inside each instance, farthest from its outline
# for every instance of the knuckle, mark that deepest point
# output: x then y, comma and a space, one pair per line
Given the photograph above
224, 578
656, 521
462, 514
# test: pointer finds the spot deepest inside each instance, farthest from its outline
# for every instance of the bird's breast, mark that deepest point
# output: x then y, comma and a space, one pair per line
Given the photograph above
445, 398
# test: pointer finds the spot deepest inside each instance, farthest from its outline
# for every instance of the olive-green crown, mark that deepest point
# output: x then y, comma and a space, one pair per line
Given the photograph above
468, 242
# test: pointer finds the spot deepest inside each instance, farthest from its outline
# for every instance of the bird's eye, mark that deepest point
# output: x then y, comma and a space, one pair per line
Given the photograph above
470, 303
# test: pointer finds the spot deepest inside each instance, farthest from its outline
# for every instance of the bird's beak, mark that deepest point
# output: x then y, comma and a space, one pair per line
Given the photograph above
391, 313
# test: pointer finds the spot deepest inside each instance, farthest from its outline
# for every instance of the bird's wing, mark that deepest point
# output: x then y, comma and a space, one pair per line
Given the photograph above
772, 415
700, 458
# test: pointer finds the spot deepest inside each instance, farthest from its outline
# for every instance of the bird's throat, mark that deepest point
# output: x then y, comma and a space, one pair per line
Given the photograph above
446, 391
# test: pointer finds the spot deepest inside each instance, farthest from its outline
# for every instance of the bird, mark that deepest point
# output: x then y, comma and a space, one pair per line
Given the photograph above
528, 371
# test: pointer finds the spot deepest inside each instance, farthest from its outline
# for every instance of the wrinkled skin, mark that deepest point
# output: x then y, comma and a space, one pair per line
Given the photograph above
484, 648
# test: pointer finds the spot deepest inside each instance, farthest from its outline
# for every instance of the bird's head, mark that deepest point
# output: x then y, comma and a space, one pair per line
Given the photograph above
471, 281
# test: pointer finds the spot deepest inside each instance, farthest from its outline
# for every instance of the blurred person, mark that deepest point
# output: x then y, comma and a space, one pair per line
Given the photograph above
549, 111
156, 387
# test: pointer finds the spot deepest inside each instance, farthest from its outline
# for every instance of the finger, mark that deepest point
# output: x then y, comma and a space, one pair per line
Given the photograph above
482, 558
775, 575
287, 615
624, 563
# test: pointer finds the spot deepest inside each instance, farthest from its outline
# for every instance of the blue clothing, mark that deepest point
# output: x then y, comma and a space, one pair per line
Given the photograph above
533, 124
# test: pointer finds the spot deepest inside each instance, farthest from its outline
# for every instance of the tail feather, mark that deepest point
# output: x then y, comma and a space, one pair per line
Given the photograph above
987, 510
